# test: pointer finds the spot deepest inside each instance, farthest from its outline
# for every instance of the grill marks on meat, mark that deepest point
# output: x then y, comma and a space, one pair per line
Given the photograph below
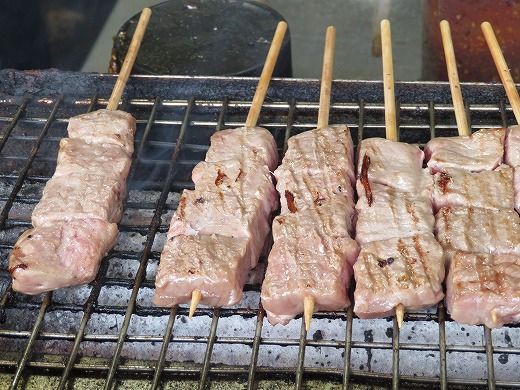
313, 253
364, 180
487, 189
477, 226
219, 229
400, 261
406, 271
75, 221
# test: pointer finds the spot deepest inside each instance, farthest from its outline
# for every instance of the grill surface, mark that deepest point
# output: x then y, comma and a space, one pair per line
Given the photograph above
110, 333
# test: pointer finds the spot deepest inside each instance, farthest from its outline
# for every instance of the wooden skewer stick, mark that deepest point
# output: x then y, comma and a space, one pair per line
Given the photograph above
388, 81
502, 68
265, 77
326, 77
130, 57
390, 113
453, 76
323, 121
254, 111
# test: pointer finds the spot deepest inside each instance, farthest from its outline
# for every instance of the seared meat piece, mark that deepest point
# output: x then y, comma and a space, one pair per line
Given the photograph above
104, 127
225, 214
62, 254
484, 289
486, 189
316, 265
479, 230
335, 218
512, 157
213, 264
79, 196
392, 214
245, 180
317, 166
407, 271
78, 157
512, 145
244, 144
394, 164
482, 151
313, 253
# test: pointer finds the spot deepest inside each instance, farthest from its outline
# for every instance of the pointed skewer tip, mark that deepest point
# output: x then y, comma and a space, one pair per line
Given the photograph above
399, 314
308, 310
196, 296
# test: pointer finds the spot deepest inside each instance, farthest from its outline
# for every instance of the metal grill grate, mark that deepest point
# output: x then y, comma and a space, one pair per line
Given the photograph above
110, 332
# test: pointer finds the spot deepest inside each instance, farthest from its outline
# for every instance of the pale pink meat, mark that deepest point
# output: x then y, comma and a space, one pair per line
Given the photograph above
318, 266
486, 189
512, 146
59, 255
317, 166
212, 264
104, 127
335, 218
394, 164
392, 214
516, 181
244, 144
484, 288
78, 157
482, 151
407, 271
479, 230
79, 196
225, 214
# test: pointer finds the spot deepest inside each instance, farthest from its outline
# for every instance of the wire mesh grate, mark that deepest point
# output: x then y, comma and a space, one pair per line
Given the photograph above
109, 330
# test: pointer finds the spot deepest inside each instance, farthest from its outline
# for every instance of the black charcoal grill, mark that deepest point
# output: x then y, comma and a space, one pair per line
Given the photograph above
109, 334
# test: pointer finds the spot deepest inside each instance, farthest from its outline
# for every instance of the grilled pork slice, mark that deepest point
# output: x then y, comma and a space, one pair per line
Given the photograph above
314, 265
482, 151
79, 196
211, 212
104, 127
244, 144
394, 164
246, 180
108, 160
61, 254
407, 271
212, 264
486, 189
479, 230
484, 289
317, 166
512, 157
391, 214
335, 218
512, 145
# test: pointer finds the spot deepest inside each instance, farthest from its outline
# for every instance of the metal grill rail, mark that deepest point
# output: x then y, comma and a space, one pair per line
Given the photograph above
173, 135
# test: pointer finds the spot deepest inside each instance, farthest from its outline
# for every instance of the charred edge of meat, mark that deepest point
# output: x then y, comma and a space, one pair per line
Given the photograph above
220, 177
444, 180
364, 180
17, 266
239, 174
289, 197
318, 200
182, 206
200, 200
384, 263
